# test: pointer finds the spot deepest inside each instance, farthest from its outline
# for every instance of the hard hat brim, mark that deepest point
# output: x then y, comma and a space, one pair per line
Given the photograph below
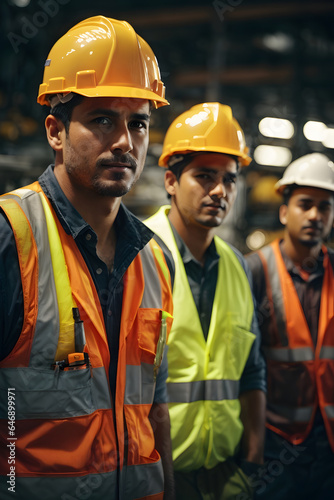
280, 186
127, 92
244, 159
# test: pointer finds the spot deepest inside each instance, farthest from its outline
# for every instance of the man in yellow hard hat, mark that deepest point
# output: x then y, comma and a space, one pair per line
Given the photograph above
294, 287
85, 306
216, 387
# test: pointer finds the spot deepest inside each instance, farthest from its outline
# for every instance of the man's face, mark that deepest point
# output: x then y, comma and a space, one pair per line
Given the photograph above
105, 148
206, 189
308, 217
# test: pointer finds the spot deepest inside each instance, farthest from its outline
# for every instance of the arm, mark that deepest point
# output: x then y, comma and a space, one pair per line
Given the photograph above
253, 405
159, 418
253, 397
11, 296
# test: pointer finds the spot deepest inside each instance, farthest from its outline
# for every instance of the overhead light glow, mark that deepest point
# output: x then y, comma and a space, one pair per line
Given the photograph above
314, 131
255, 240
278, 42
278, 128
21, 3
328, 140
275, 156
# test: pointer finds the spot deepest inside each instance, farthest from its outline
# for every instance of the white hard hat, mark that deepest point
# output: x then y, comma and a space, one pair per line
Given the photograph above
312, 170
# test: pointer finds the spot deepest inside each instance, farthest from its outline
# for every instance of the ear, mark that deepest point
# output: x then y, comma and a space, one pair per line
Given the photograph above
283, 214
170, 182
55, 132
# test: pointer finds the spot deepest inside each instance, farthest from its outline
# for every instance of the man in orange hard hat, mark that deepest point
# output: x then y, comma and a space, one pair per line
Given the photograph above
216, 381
85, 306
294, 286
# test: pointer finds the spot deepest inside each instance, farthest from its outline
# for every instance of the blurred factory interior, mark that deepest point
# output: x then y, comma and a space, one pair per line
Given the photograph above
272, 61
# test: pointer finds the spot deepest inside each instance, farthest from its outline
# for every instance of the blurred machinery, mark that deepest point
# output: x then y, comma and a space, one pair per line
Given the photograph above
270, 60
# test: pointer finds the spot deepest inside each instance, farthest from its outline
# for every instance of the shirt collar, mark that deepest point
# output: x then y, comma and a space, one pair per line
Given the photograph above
186, 254
73, 223
313, 267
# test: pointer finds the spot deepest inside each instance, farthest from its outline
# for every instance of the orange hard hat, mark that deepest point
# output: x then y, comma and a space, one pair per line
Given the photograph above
102, 57
208, 128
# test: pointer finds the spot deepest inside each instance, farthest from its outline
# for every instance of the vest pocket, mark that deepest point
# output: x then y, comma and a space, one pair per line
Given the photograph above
149, 325
238, 342
47, 393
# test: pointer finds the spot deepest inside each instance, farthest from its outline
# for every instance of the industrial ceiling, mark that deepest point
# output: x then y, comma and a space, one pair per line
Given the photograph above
263, 58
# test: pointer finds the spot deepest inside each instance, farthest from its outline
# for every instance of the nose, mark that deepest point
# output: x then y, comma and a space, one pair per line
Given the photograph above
121, 140
314, 213
218, 190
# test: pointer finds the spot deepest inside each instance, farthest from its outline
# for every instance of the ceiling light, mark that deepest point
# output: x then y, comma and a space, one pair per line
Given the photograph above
255, 240
278, 42
21, 3
328, 140
275, 156
278, 128
314, 131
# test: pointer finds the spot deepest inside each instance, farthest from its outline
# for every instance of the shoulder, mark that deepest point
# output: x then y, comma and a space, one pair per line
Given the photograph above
258, 274
330, 252
240, 258
254, 262
168, 256
331, 255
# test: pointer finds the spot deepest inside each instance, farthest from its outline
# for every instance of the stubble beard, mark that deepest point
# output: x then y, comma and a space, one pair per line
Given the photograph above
117, 187
112, 190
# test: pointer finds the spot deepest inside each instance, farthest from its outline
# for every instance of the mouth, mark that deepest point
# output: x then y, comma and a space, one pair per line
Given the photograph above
312, 230
215, 206
116, 166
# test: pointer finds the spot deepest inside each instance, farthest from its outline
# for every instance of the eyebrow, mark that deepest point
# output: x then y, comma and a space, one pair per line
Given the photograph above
208, 170
306, 199
116, 114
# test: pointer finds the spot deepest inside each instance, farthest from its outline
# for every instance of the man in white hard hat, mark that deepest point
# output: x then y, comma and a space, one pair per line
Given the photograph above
294, 287
85, 301
216, 382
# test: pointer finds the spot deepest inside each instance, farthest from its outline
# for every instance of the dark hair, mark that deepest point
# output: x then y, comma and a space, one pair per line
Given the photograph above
288, 191
63, 111
177, 168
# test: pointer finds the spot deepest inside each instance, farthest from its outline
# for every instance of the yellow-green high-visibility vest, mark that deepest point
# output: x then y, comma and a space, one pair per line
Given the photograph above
204, 375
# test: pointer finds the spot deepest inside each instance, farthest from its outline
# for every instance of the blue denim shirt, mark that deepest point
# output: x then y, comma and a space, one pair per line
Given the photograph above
132, 236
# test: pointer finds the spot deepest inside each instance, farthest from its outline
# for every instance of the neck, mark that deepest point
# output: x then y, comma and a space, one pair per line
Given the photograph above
196, 237
99, 212
298, 252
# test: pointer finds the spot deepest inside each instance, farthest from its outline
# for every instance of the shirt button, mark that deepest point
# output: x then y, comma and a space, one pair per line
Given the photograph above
88, 236
109, 313
98, 270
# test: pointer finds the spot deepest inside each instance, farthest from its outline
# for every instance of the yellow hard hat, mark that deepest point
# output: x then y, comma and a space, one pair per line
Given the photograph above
102, 57
208, 127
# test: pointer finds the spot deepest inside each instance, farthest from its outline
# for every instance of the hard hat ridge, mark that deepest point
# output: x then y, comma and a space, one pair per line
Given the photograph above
102, 57
312, 170
207, 128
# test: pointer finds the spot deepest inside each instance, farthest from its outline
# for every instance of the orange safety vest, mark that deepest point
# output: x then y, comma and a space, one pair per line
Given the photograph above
300, 377
67, 440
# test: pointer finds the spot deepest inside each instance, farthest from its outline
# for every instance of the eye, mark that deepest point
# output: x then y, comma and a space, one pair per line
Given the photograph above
103, 120
138, 124
325, 207
203, 176
230, 179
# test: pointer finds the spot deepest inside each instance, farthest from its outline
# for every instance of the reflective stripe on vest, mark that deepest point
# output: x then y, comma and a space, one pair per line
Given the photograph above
203, 390
286, 355
293, 414
290, 413
203, 384
60, 397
